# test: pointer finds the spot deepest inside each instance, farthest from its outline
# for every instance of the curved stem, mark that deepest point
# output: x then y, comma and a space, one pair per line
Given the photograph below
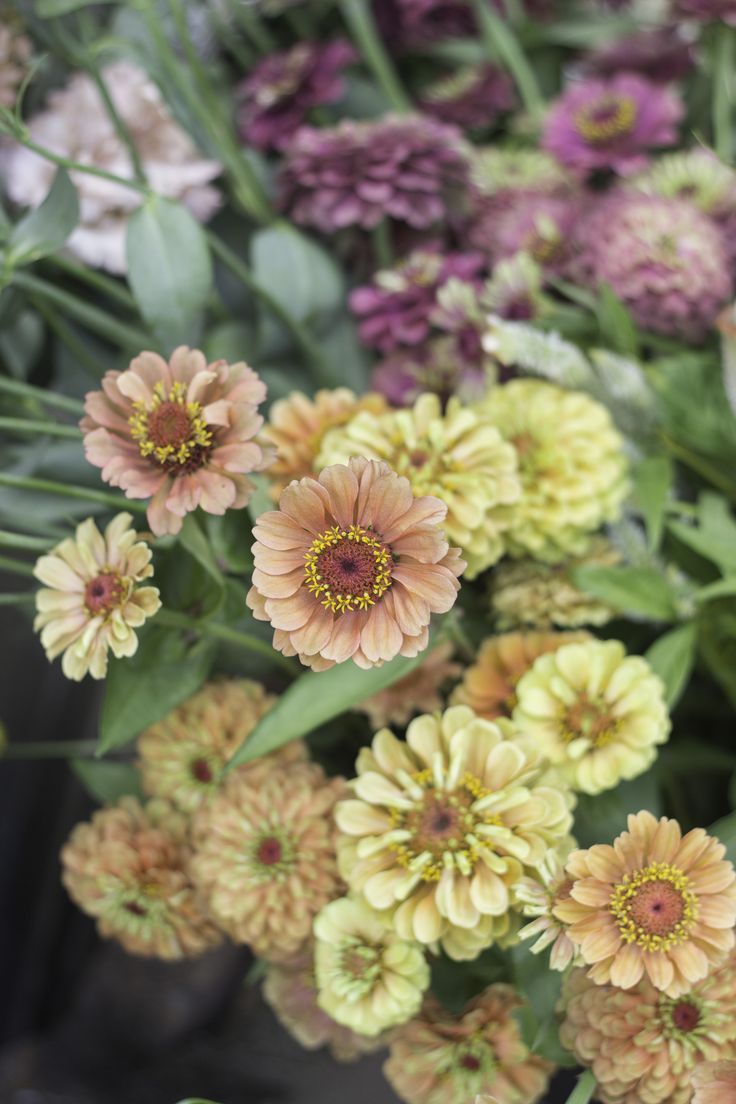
88, 494
51, 749
21, 540
67, 336
49, 398
724, 59
112, 288
16, 567
224, 632
503, 47
19, 599
358, 16
47, 429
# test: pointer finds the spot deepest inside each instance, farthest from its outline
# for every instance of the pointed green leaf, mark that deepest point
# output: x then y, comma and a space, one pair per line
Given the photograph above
672, 657
616, 325
45, 229
637, 590
107, 781
297, 272
196, 543
725, 831
652, 482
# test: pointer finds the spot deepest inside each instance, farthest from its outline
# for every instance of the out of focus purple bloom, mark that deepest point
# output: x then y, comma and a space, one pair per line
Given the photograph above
610, 124
660, 55
706, 11
472, 97
411, 169
403, 376
395, 309
537, 223
414, 23
275, 99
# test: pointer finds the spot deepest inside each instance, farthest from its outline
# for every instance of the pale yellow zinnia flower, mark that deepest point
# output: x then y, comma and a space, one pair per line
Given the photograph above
537, 897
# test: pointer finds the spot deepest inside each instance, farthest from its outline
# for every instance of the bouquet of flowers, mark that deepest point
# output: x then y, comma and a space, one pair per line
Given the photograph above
368, 377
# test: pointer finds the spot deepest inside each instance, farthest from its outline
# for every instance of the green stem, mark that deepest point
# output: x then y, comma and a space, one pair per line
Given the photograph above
255, 28
23, 599
23, 137
68, 490
503, 46
67, 336
724, 60
357, 14
583, 1091
382, 247
47, 429
50, 398
298, 23
21, 540
112, 288
704, 468
224, 632
51, 749
16, 566
117, 122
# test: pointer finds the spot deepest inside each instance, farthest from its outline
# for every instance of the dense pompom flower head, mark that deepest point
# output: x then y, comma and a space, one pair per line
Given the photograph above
352, 566
594, 712
646, 1048
472, 97
611, 124
457, 456
656, 904
497, 173
264, 855
443, 825
179, 432
277, 96
439, 1058
571, 462
715, 1082
411, 169
127, 867
91, 602
663, 258
532, 222
368, 978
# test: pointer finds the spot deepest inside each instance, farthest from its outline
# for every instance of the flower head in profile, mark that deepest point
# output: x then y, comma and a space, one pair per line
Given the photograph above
489, 684
458, 457
440, 1058
127, 868
572, 466
417, 692
15, 56
368, 978
473, 97
280, 91
91, 602
443, 825
352, 566
181, 757
595, 712
645, 1046
264, 855
179, 432
611, 124
537, 897
656, 904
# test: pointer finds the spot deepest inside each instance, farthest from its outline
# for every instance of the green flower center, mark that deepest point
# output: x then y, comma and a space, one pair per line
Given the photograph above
359, 969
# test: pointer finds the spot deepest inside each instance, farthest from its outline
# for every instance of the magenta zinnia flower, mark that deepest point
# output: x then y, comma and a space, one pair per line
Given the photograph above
358, 173
471, 97
180, 433
610, 124
660, 55
277, 96
527, 221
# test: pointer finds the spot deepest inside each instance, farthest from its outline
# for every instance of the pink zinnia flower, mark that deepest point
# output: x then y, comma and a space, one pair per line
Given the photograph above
180, 433
351, 566
610, 124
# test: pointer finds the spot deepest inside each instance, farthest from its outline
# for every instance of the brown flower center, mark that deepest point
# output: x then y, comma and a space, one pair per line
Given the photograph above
270, 851
273, 854
591, 720
201, 771
104, 593
655, 907
608, 118
169, 424
685, 1016
170, 430
348, 569
135, 908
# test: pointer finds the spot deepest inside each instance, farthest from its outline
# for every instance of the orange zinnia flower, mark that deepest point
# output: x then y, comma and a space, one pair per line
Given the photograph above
715, 1083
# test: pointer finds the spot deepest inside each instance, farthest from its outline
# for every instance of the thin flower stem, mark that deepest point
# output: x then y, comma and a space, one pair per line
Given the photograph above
255, 28
125, 336
21, 540
50, 398
224, 632
583, 1091
69, 490
24, 138
22, 599
67, 336
112, 288
357, 14
382, 247
47, 429
502, 46
17, 567
724, 59
51, 749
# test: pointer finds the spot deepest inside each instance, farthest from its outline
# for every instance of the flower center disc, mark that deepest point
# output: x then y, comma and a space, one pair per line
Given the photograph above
169, 424
685, 1016
348, 569
269, 851
171, 430
201, 771
606, 119
655, 907
591, 720
104, 592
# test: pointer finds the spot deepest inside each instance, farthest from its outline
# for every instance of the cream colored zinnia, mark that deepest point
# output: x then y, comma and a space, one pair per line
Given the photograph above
458, 457
443, 825
571, 462
368, 977
594, 712
537, 897
91, 602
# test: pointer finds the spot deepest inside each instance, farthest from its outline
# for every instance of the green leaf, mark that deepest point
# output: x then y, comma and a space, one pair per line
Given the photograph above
583, 1091
652, 482
637, 590
141, 690
707, 544
298, 273
197, 545
169, 270
601, 817
722, 588
616, 325
541, 987
725, 830
672, 657
45, 229
107, 781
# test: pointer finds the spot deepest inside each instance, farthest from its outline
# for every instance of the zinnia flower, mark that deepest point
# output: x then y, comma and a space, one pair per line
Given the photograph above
417, 692
665, 260
571, 462
648, 1048
181, 757
78, 126
439, 1058
180, 433
662, 55
532, 222
610, 124
15, 55
707, 11
443, 825
368, 978
94, 604
278, 94
715, 1082
264, 855
538, 897
489, 684
458, 457
473, 96
127, 867
594, 712
527, 594
656, 903
496, 173
358, 173
439, 366
352, 566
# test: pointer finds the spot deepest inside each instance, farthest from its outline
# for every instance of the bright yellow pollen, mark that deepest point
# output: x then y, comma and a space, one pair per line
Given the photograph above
183, 447
334, 587
624, 899
606, 119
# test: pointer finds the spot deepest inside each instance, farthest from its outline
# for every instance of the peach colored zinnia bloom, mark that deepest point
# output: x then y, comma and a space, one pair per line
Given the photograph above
264, 855
715, 1082
127, 867
489, 685
656, 903
180, 433
537, 897
439, 1058
417, 692
94, 604
352, 566
297, 424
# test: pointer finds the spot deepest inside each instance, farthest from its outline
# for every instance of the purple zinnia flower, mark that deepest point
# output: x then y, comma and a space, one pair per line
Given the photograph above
707, 11
660, 55
609, 124
537, 223
277, 96
357, 173
662, 257
471, 97
417, 22
436, 367
395, 309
